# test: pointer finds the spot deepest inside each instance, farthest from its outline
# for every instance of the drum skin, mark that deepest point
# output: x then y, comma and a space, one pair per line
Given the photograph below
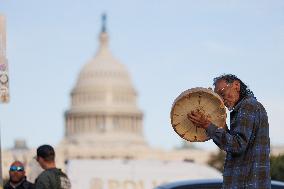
201, 100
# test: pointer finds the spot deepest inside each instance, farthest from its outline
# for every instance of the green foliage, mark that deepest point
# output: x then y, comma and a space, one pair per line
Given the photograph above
277, 167
217, 160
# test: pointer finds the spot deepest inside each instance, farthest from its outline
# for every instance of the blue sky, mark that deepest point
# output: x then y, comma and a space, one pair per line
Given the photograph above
167, 46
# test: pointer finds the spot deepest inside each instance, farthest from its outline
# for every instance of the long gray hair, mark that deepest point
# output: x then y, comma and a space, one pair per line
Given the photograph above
230, 78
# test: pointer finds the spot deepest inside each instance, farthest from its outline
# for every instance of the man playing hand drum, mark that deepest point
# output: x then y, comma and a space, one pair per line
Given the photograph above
247, 142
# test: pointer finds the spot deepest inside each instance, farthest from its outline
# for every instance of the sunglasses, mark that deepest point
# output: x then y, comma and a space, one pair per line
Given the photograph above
17, 168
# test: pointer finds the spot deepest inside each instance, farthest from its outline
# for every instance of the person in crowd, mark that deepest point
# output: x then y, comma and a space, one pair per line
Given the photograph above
51, 177
17, 178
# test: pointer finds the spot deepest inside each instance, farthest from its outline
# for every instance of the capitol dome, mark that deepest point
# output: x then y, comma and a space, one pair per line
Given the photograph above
104, 111
104, 84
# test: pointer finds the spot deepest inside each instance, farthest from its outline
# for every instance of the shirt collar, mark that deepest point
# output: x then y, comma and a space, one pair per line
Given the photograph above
18, 184
237, 106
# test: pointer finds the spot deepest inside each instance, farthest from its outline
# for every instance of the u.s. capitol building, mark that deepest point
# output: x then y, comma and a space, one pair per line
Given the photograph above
104, 146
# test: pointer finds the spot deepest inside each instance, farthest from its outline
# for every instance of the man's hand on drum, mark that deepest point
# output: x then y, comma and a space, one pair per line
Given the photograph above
199, 119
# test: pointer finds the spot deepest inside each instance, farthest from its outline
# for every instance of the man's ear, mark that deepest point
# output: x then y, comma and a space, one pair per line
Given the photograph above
237, 85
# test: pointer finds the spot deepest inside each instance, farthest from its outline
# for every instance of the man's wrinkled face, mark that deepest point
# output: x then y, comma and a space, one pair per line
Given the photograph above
17, 172
229, 92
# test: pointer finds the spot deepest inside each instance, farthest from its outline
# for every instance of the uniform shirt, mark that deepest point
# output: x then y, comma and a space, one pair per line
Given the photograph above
247, 146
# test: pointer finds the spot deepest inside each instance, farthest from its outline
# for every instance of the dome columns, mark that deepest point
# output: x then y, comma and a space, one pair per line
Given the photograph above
104, 123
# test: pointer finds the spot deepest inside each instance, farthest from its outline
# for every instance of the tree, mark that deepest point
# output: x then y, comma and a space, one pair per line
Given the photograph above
277, 167
217, 160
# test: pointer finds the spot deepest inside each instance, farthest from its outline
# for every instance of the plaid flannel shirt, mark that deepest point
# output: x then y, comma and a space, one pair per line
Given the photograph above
247, 146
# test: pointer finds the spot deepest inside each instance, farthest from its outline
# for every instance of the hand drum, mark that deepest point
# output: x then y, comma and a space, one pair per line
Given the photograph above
197, 99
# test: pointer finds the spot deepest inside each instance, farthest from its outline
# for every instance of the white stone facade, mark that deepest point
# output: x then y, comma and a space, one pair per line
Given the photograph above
103, 108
